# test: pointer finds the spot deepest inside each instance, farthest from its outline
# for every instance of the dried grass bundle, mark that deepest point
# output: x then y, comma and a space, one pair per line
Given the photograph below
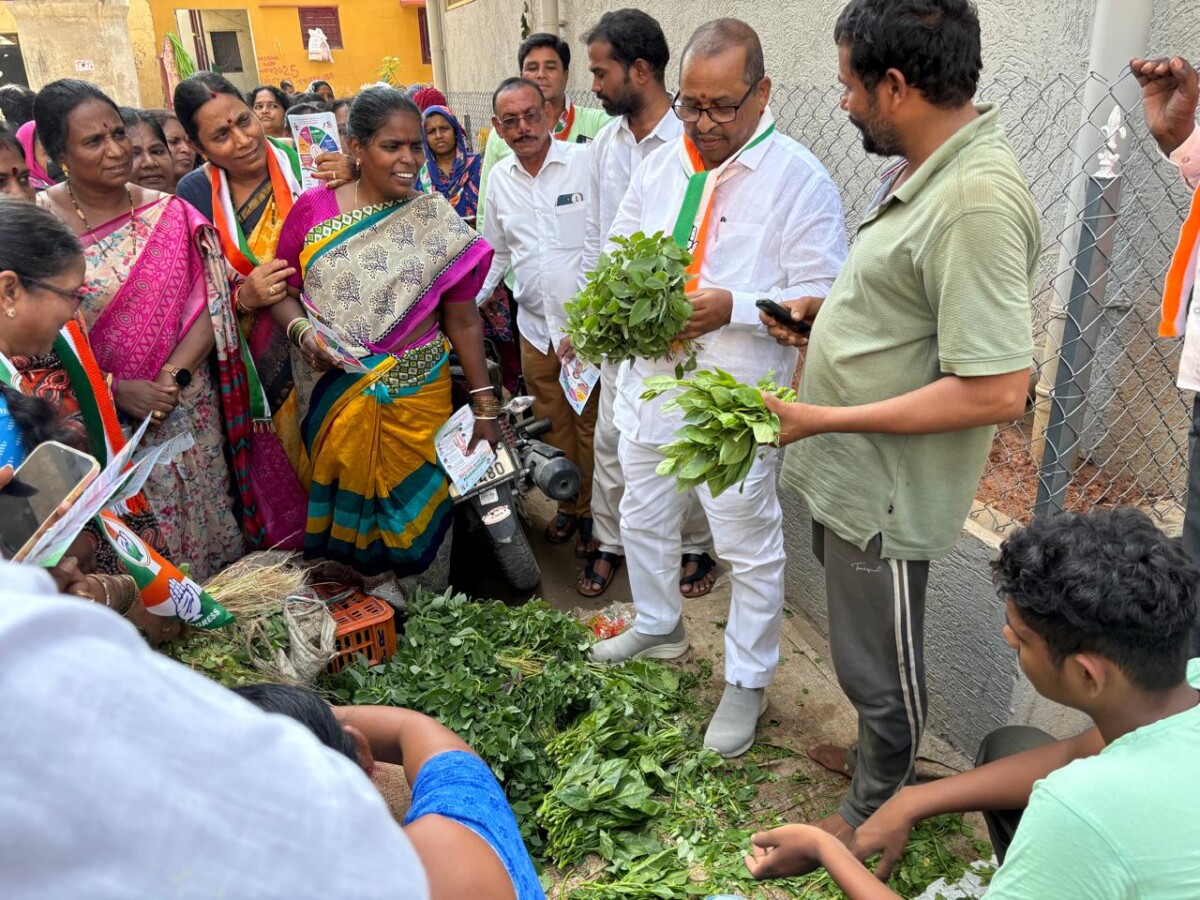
256, 585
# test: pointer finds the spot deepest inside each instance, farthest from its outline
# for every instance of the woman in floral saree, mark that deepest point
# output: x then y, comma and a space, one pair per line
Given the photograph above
390, 272
156, 304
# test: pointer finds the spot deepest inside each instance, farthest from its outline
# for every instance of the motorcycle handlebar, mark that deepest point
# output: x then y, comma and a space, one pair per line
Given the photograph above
538, 427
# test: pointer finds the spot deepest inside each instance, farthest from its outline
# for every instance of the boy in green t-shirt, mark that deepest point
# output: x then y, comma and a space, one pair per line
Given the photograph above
1099, 611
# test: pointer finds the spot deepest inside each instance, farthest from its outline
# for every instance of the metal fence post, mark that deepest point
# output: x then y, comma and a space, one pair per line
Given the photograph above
1120, 29
1079, 339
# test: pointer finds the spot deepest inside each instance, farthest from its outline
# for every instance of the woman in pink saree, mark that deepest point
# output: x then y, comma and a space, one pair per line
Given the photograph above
156, 304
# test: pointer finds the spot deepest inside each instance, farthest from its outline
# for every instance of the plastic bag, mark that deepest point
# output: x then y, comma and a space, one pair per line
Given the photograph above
318, 46
610, 621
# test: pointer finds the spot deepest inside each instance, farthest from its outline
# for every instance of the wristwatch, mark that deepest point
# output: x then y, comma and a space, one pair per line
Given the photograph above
182, 376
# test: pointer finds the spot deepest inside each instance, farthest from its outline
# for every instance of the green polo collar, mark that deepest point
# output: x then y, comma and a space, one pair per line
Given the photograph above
987, 121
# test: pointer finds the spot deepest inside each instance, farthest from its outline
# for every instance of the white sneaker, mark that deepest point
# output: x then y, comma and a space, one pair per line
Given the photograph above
731, 731
631, 644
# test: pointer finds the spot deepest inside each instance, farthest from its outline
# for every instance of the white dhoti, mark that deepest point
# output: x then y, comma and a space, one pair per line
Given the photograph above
747, 527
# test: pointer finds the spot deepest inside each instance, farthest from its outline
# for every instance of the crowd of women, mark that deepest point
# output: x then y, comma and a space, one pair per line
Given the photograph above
167, 265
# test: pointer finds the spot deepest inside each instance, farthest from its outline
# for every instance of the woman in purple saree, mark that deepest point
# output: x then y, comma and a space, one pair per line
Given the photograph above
156, 304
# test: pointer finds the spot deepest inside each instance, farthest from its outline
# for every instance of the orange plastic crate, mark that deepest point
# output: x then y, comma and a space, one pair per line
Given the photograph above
366, 626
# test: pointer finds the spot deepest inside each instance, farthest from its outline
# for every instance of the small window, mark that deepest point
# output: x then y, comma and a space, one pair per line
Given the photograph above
227, 54
325, 18
423, 24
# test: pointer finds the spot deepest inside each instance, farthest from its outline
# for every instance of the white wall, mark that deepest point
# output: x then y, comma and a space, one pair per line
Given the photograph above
797, 35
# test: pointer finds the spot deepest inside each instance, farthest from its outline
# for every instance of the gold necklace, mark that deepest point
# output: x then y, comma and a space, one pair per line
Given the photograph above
87, 226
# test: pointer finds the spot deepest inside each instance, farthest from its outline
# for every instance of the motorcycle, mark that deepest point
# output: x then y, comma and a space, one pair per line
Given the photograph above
522, 463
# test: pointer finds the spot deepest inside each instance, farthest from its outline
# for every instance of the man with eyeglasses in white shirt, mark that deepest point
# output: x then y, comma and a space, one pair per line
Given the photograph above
774, 229
627, 56
536, 224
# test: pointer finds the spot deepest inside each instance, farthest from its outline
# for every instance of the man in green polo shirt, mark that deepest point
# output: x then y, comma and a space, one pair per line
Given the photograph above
922, 347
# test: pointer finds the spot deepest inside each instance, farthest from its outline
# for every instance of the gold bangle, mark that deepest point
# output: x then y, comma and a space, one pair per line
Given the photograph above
129, 593
104, 587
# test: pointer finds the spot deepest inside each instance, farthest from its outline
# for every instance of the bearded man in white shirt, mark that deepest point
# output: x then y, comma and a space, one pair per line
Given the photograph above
627, 56
774, 229
536, 222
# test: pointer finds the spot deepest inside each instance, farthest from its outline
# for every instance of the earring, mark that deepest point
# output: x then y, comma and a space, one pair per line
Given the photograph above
65, 170
357, 167
11, 313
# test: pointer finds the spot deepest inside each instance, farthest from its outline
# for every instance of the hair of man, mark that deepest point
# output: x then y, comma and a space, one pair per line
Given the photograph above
307, 708
632, 35
542, 39
715, 37
934, 44
515, 83
53, 106
1108, 583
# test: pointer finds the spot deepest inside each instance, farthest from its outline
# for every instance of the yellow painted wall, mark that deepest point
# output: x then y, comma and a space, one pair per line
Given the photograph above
145, 53
371, 30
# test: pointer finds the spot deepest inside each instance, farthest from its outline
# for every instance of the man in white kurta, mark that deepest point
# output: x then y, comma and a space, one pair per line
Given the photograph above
774, 229
627, 55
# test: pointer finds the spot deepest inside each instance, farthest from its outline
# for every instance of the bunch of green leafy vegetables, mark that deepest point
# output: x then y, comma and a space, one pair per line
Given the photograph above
603, 767
633, 305
228, 655
724, 424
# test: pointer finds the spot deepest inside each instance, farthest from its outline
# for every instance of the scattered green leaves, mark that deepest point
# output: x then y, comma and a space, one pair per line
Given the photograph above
633, 304
602, 766
724, 424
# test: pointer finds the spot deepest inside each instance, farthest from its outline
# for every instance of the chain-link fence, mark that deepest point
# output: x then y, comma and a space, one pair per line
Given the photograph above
1105, 424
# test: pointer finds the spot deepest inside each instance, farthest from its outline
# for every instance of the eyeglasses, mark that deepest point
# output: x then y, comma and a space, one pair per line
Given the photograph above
719, 115
533, 117
73, 297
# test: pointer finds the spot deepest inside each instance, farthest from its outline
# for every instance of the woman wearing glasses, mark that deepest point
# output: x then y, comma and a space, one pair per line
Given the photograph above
42, 269
156, 303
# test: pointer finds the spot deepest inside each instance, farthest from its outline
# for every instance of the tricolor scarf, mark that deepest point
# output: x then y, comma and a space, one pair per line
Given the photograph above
1181, 276
691, 228
283, 164
96, 405
566, 122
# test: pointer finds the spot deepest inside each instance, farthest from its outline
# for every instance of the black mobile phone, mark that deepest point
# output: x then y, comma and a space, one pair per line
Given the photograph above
782, 315
53, 474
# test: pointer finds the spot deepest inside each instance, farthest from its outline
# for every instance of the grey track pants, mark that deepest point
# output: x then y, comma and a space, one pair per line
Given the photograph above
876, 634
1006, 741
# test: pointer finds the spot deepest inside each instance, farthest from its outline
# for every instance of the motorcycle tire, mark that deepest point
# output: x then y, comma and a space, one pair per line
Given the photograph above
518, 563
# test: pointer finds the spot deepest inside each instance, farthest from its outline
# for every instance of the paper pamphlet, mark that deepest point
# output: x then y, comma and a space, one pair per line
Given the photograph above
110, 487
578, 379
332, 345
314, 134
452, 439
